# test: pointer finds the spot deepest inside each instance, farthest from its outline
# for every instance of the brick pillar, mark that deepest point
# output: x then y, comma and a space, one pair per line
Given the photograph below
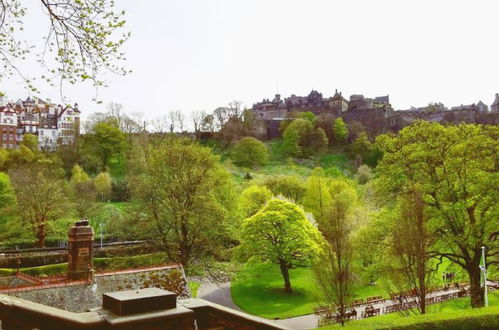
80, 251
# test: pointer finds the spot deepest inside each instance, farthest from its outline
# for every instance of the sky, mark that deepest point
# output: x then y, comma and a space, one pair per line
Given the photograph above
198, 55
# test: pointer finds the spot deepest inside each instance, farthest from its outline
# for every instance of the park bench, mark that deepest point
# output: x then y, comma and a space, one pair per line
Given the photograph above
322, 309
375, 300
358, 302
392, 308
368, 312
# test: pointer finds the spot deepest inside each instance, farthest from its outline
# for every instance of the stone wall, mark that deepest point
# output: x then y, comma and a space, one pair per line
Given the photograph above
82, 297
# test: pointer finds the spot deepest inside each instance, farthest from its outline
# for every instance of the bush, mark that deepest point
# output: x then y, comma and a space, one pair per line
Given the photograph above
287, 186
302, 139
250, 152
253, 198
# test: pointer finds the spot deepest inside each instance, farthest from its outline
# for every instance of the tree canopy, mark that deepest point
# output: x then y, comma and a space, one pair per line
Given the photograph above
457, 170
281, 233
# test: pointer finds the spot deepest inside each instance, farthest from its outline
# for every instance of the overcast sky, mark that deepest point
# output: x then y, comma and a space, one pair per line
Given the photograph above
197, 55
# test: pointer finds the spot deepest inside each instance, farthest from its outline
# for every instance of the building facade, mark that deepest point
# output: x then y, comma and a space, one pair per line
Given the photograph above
53, 124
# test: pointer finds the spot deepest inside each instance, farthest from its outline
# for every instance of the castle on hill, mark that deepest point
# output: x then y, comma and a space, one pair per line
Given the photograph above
375, 114
53, 124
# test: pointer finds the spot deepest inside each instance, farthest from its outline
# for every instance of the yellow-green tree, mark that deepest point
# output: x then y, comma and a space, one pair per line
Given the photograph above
103, 185
280, 233
457, 170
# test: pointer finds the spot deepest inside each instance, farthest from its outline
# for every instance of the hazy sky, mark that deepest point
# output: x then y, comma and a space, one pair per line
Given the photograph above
197, 55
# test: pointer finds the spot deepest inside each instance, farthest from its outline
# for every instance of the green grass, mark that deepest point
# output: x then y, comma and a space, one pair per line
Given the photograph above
453, 314
258, 289
194, 286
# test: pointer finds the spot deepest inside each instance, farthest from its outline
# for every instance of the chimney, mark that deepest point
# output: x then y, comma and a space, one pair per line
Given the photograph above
80, 251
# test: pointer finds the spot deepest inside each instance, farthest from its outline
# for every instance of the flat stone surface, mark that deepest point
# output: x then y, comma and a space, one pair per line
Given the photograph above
138, 301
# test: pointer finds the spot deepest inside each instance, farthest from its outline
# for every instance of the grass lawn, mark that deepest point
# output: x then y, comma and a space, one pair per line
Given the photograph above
455, 314
258, 289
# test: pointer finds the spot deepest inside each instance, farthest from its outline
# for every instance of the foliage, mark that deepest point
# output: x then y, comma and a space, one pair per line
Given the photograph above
281, 233
40, 197
103, 185
308, 115
288, 186
82, 39
364, 174
302, 139
456, 168
7, 196
104, 143
253, 199
340, 131
250, 152
187, 195
194, 287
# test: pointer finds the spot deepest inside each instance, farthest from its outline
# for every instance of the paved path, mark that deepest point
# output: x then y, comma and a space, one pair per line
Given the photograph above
218, 293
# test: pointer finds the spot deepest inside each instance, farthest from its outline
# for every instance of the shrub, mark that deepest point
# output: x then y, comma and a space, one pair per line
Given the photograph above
253, 198
287, 186
250, 152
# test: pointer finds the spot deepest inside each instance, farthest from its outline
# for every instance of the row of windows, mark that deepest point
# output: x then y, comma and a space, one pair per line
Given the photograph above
8, 145
8, 121
7, 136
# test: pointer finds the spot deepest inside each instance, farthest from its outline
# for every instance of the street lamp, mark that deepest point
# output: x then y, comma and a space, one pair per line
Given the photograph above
484, 271
100, 225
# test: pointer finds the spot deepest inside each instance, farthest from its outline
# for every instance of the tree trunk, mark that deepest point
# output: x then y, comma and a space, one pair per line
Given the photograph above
285, 274
40, 235
476, 291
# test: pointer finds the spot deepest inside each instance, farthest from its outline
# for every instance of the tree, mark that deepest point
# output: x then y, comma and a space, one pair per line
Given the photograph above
287, 186
186, 194
40, 197
208, 123
364, 174
456, 168
410, 241
103, 185
7, 197
340, 131
253, 199
30, 141
83, 192
301, 138
83, 38
317, 197
361, 145
197, 119
281, 233
250, 152
334, 273
105, 143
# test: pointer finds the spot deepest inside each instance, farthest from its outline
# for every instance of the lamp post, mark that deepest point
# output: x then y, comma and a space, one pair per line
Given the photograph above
101, 235
484, 271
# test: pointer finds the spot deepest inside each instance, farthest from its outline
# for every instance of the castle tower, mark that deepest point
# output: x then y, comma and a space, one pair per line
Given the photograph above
80, 251
495, 106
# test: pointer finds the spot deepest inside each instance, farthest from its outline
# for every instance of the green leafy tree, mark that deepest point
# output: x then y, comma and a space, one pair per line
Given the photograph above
31, 142
250, 152
4, 157
302, 139
83, 37
340, 131
254, 198
40, 197
317, 198
105, 143
456, 168
364, 174
287, 186
84, 192
7, 197
187, 196
280, 233
103, 185
308, 115
334, 273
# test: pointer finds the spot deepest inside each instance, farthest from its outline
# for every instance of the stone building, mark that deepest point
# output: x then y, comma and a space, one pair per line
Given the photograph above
495, 105
54, 125
375, 114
